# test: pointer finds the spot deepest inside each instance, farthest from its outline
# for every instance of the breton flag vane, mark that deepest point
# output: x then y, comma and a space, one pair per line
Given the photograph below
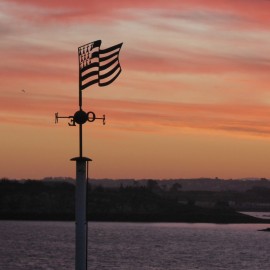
98, 65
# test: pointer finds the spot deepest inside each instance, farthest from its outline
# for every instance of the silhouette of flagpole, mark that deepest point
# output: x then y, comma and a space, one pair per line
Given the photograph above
100, 67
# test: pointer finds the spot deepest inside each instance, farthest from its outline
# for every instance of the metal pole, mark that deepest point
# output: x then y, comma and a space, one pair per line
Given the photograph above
81, 201
80, 140
81, 215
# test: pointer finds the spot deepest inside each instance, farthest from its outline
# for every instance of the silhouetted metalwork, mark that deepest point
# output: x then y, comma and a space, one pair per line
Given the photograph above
80, 117
96, 66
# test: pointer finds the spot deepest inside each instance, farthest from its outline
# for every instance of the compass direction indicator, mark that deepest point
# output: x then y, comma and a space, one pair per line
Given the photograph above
80, 117
96, 66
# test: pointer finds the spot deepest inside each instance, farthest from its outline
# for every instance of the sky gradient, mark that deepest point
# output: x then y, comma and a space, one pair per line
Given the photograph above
193, 98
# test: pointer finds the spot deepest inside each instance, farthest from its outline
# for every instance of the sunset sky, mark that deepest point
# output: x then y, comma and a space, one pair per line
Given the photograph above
193, 98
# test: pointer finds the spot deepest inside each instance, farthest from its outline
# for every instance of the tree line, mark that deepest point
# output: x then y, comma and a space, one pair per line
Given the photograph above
55, 200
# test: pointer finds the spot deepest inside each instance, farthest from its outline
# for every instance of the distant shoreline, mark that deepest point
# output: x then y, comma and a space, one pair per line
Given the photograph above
233, 218
39, 200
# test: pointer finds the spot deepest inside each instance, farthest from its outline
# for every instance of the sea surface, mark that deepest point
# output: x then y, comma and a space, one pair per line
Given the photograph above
27, 245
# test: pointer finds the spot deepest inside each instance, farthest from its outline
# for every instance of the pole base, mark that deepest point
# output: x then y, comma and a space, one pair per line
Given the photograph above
81, 159
81, 227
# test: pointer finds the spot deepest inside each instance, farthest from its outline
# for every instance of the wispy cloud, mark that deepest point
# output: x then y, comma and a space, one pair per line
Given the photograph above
199, 37
197, 65
248, 11
252, 120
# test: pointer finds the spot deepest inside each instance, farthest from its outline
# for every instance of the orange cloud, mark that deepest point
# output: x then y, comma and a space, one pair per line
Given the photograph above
143, 116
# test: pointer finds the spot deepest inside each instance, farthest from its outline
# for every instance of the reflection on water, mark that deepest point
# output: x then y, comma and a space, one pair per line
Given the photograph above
264, 215
128, 246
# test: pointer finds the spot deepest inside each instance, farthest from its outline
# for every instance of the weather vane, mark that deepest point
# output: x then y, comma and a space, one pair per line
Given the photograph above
96, 66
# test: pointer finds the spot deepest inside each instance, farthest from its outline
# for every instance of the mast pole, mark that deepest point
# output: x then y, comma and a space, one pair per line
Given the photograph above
81, 229
80, 140
81, 225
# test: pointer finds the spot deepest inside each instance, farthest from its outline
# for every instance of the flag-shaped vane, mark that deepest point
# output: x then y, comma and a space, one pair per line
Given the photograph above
97, 65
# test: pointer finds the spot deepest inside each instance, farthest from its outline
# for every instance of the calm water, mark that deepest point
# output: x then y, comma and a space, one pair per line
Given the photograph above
128, 246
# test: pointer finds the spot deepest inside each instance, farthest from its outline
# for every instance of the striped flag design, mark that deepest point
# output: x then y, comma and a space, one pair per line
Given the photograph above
98, 66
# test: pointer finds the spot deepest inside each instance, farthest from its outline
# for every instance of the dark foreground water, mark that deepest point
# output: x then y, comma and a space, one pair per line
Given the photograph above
127, 246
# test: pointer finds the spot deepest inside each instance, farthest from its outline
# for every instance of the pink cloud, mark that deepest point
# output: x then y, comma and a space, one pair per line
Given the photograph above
61, 66
48, 64
250, 13
185, 62
180, 60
